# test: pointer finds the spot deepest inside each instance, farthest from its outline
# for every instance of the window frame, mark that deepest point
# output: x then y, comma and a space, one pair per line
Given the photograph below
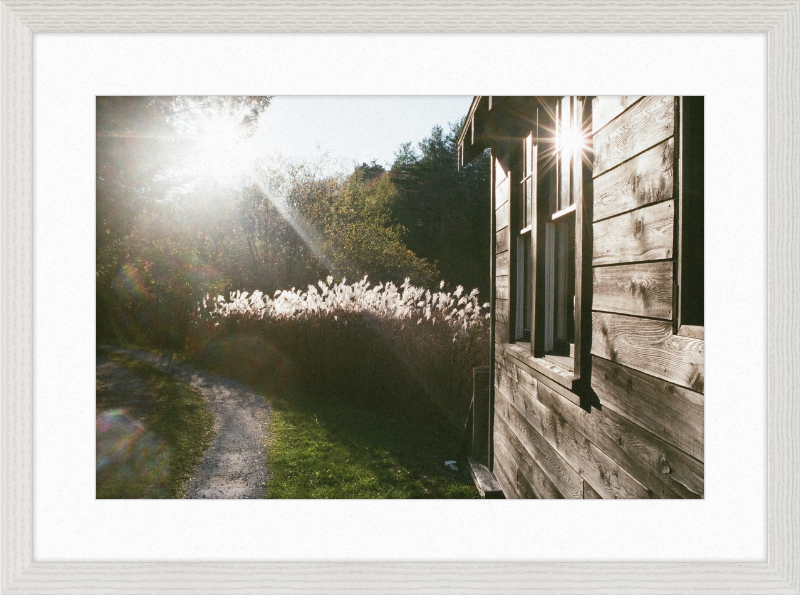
689, 319
541, 215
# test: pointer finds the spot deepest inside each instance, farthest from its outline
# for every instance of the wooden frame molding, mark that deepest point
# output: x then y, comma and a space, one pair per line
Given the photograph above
780, 19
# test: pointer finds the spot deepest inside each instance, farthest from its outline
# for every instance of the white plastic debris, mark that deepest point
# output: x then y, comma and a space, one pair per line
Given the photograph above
451, 464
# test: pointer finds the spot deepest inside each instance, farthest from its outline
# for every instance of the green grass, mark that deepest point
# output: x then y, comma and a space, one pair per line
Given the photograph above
177, 418
322, 448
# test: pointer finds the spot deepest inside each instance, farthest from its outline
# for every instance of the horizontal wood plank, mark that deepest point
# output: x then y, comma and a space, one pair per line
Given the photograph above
665, 469
525, 487
500, 172
607, 107
696, 332
504, 476
485, 481
649, 346
594, 466
501, 241
656, 464
644, 234
500, 332
552, 373
564, 477
501, 217
532, 481
501, 263
644, 125
673, 413
642, 289
502, 192
589, 493
501, 287
645, 179
501, 310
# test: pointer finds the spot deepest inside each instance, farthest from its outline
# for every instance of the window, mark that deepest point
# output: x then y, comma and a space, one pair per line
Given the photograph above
548, 242
524, 310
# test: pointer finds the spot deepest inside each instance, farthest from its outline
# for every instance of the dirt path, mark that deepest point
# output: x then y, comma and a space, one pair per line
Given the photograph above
234, 465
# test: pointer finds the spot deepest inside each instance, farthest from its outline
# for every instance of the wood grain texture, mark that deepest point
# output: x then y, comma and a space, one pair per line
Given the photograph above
779, 575
349, 16
649, 346
16, 217
512, 454
641, 289
501, 217
564, 477
501, 264
501, 310
607, 107
502, 186
501, 332
505, 477
645, 124
525, 487
666, 470
671, 412
783, 303
589, 493
645, 179
501, 321
549, 370
644, 234
540, 369
501, 240
593, 465
501, 287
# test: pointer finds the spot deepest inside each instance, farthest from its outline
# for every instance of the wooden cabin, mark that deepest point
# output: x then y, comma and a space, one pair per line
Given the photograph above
597, 301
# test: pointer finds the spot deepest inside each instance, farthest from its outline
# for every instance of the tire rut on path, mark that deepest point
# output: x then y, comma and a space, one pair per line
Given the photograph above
234, 465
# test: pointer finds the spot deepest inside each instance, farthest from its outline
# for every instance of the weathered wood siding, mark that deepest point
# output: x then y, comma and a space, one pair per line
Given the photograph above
635, 429
502, 210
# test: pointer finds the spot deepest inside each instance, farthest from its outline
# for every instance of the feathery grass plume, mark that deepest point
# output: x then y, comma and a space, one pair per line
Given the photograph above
383, 346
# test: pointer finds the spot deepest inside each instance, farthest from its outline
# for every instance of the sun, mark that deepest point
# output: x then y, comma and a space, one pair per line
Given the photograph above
221, 151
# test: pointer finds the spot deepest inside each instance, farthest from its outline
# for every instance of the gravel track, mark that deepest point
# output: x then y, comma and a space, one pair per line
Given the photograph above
234, 465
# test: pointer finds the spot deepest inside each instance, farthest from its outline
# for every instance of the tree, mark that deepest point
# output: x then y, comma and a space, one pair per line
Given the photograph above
302, 224
142, 142
446, 211
362, 240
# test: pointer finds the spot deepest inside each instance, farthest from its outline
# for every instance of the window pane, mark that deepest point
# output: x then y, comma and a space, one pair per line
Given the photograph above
528, 185
564, 299
565, 150
524, 286
547, 161
560, 286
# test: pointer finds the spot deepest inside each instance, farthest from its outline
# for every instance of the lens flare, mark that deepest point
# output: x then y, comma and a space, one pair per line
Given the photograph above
131, 461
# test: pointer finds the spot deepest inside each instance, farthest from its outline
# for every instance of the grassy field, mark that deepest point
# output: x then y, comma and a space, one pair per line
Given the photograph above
153, 456
321, 448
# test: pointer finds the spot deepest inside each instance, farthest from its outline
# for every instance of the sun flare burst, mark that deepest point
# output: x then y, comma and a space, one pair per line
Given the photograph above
222, 151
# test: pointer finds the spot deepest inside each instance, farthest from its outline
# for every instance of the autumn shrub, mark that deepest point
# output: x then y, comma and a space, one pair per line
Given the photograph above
382, 346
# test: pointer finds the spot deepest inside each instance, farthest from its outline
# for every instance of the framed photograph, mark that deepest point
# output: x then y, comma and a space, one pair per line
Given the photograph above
596, 306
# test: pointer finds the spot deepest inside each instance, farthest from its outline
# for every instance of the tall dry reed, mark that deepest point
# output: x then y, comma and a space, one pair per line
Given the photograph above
382, 346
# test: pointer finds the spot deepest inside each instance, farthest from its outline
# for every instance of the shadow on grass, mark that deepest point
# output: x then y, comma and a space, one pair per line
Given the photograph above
323, 448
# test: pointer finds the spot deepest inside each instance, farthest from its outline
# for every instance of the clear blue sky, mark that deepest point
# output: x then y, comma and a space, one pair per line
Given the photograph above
352, 128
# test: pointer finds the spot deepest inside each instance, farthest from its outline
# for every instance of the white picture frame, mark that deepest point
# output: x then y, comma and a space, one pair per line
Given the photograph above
20, 574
